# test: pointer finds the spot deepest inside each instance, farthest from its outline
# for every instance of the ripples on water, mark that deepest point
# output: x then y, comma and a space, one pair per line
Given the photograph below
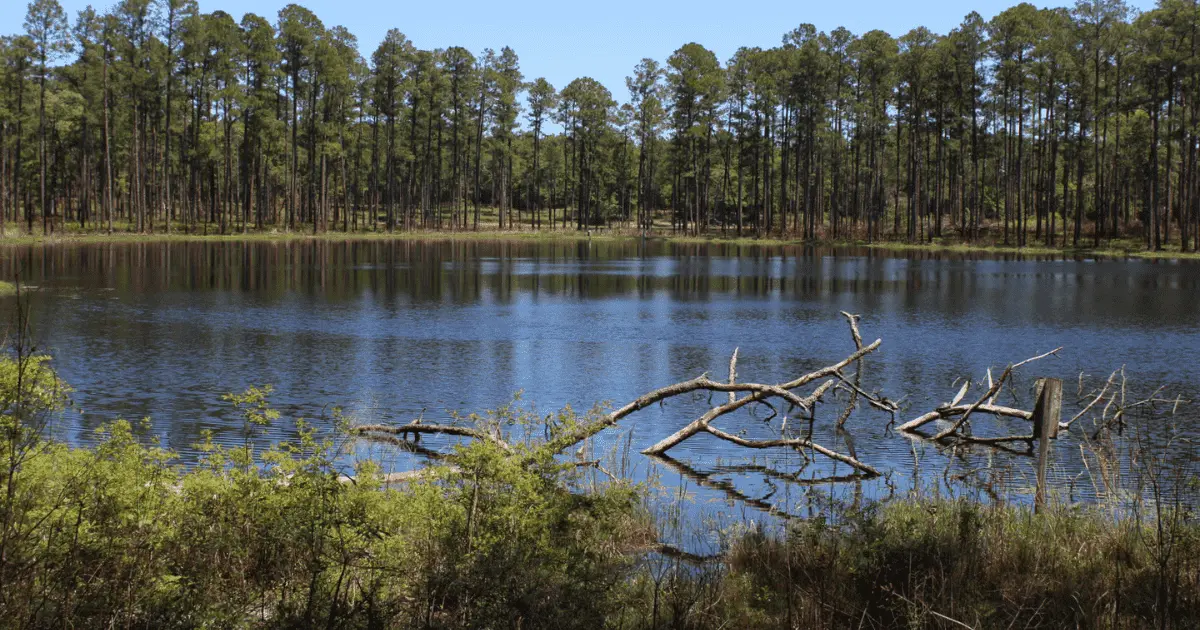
391, 330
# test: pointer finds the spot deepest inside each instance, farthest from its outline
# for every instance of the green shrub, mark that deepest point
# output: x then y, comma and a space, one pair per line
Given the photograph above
122, 535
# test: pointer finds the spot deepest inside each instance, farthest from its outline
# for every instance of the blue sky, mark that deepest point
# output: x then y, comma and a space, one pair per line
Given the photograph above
564, 40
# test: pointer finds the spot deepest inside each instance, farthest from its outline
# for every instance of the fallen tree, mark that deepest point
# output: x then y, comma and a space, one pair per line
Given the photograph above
740, 396
792, 405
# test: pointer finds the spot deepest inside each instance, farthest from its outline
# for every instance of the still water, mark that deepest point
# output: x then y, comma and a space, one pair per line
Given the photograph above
390, 331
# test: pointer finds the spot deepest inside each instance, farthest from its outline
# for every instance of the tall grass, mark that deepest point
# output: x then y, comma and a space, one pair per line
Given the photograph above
942, 563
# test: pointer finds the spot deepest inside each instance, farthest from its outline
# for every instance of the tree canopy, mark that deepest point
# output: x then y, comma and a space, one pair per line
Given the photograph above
1058, 126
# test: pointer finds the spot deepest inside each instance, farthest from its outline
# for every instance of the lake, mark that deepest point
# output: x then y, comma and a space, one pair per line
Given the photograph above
394, 330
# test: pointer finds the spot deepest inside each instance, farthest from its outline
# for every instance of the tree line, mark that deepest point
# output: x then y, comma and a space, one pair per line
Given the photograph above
1061, 126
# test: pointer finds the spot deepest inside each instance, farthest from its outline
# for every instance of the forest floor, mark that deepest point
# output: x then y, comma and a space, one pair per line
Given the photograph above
489, 231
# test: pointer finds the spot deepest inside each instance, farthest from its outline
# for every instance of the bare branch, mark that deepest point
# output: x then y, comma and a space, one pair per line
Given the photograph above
1040, 356
880, 403
701, 423
853, 319
991, 393
942, 413
1098, 398
754, 393
733, 373
760, 392
961, 392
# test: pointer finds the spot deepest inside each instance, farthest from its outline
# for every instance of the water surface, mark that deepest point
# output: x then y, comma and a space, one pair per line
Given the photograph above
390, 331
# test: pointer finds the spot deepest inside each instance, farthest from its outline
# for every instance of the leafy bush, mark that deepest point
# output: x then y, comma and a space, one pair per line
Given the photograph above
122, 535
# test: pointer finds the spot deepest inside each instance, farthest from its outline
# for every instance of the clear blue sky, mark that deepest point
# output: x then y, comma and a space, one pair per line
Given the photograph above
564, 40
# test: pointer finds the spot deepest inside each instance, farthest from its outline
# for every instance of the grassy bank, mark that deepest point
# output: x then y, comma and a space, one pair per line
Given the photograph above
1125, 248
495, 536
129, 236
940, 563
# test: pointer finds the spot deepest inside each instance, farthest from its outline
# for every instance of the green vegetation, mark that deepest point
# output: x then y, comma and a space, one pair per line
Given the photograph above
1114, 249
121, 535
503, 534
1057, 128
923, 563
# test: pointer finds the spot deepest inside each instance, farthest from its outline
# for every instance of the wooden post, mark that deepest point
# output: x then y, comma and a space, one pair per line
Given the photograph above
1045, 428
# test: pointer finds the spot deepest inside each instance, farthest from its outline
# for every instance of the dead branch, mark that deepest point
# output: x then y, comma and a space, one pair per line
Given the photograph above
1113, 411
855, 387
985, 404
1096, 399
946, 411
1118, 416
405, 476
998, 444
757, 393
1032, 359
991, 394
703, 423
595, 463
411, 446
961, 392
753, 393
733, 373
989, 375
878, 402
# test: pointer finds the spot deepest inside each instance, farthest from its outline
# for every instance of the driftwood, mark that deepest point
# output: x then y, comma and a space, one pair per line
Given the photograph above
949, 411
1107, 404
1099, 396
854, 387
985, 404
740, 395
1116, 408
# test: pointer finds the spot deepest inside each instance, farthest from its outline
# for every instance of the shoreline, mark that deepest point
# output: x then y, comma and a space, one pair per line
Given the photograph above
1115, 251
